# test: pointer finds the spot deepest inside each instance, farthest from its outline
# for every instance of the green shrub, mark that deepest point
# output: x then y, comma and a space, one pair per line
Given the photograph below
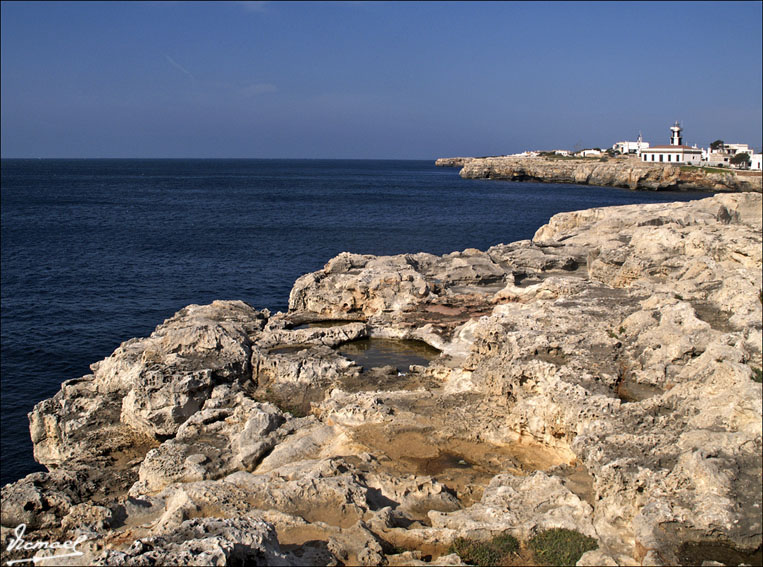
704, 168
757, 374
485, 553
560, 546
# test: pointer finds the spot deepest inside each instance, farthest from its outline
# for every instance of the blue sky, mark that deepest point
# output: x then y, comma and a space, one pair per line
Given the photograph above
372, 79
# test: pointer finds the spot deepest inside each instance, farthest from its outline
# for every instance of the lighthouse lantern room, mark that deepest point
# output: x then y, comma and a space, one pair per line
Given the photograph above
675, 135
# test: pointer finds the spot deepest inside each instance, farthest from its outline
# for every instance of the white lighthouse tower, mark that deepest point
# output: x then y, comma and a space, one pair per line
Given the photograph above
675, 135
676, 152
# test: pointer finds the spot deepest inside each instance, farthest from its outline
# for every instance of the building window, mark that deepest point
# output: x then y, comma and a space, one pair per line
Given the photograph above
660, 157
669, 156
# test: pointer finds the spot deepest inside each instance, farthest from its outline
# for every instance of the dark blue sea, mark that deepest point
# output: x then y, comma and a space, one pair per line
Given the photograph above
95, 252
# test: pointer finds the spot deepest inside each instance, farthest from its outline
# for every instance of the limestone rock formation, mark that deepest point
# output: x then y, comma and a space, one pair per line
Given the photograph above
205, 541
452, 162
603, 377
612, 173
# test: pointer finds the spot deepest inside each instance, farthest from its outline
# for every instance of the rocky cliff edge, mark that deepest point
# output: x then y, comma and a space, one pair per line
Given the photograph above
619, 172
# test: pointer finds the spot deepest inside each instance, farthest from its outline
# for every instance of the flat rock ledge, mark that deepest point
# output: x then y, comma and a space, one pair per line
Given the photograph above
603, 377
617, 172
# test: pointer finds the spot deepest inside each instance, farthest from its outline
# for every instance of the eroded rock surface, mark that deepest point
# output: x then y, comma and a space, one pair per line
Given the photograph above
452, 162
599, 378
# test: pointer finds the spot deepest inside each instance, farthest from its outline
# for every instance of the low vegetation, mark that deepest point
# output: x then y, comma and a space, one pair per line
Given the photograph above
705, 169
496, 551
552, 155
559, 546
552, 547
757, 375
741, 159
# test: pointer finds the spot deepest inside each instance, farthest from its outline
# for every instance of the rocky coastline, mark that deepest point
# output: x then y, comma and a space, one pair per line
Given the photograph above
616, 172
603, 378
452, 162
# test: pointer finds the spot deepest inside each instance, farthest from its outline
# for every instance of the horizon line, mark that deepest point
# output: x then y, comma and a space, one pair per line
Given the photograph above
229, 158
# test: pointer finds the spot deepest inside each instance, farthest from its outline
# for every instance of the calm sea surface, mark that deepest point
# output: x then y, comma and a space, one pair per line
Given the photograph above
95, 252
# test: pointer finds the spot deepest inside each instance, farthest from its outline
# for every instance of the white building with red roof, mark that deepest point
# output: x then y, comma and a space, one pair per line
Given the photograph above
676, 152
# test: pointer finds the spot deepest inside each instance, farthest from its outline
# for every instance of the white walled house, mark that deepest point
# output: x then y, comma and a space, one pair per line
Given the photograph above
722, 156
756, 161
734, 149
525, 154
630, 147
590, 153
672, 154
676, 152
717, 157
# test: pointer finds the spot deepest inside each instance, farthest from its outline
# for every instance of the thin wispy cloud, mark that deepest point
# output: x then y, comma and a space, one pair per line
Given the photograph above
253, 6
258, 89
178, 66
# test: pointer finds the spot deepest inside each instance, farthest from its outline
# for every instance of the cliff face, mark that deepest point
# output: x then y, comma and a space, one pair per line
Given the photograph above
603, 377
613, 173
452, 162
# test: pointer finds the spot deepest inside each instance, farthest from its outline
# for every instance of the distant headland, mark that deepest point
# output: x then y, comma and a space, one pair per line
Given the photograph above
721, 167
615, 172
